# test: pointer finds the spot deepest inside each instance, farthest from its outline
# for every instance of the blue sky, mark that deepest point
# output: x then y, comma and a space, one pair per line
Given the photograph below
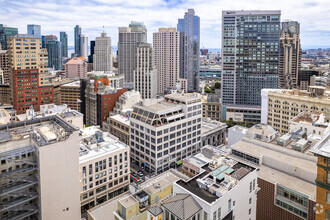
91, 15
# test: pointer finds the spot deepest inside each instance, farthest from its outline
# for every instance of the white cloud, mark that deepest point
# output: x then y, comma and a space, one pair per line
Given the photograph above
63, 15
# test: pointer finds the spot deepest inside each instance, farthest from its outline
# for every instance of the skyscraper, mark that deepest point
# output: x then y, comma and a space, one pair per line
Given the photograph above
189, 27
102, 58
34, 29
290, 55
6, 32
54, 49
84, 46
64, 42
250, 52
145, 73
90, 56
128, 40
77, 33
167, 58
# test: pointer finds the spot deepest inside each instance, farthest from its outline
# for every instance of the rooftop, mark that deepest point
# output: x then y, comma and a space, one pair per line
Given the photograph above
210, 126
121, 118
72, 84
96, 143
322, 148
214, 181
262, 129
159, 182
315, 118
44, 130
183, 98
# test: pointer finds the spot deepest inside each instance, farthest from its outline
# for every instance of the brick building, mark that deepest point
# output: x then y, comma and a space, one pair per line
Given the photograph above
27, 92
100, 100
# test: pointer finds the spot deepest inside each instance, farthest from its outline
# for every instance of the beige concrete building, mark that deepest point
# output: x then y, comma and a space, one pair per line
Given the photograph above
102, 58
118, 125
4, 66
290, 55
39, 170
145, 72
212, 107
167, 59
104, 167
25, 52
76, 68
280, 106
70, 95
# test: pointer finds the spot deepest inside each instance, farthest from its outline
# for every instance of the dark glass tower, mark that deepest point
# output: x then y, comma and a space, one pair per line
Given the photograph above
250, 55
64, 44
6, 32
189, 27
54, 54
77, 33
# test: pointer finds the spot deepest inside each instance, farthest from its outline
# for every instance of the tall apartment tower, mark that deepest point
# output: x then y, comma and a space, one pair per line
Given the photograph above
77, 33
290, 55
189, 27
250, 53
38, 56
145, 73
102, 58
6, 32
54, 49
167, 58
128, 40
84, 46
34, 29
64, 44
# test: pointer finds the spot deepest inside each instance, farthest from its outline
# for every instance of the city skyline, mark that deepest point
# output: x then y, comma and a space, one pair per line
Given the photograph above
155, 14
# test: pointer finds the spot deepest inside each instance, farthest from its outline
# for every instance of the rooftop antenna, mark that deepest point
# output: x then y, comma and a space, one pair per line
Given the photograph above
103, 28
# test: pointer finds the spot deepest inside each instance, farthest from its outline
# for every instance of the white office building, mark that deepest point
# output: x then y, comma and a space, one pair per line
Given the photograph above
102, 58
165, 131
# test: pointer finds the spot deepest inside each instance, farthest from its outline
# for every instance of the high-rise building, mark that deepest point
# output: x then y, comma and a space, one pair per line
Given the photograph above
167, 58
165, 132
40, 169
70, 95
250, 53
189, 27
4, 66
84, 46
304, 78
6, 32
290, 55
75, 68
54, 50
38, 56
77, 33
145, 73
90, 56
129, 38
102, 58
34, 29
64, 44
49, 38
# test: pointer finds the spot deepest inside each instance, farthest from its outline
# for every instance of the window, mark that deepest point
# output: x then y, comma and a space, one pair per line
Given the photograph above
229, 205
328, 197
254, 184
250, 187
250, 200
328, 177
249, 211
219, 213
215, 215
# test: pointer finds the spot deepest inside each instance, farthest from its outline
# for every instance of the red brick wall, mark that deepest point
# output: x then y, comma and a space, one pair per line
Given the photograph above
106, 103
26, 91
267, 210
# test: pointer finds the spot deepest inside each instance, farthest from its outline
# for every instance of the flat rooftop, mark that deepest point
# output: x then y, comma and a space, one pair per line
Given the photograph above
96, 143
262, 129
72, 84
121, 118
210, 126
161, 108
198, 160
158, 182
220, 180
44, 130
128, 201
183, 97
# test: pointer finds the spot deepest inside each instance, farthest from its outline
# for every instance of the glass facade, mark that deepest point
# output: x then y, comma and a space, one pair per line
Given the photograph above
6, 32
64, 44
250, 52
189, 27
